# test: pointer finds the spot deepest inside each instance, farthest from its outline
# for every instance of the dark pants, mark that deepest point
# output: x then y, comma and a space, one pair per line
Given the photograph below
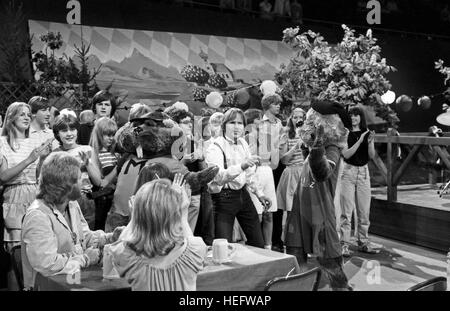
205, 221
102, 207
278, 215
231, 204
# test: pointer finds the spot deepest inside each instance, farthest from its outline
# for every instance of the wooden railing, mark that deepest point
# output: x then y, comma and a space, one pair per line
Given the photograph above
418, 141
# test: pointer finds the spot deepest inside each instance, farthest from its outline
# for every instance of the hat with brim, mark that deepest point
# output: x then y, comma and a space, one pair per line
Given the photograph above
157, 116
330, 107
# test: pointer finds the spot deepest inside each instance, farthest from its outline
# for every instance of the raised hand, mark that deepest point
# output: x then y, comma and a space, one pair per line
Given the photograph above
85, 157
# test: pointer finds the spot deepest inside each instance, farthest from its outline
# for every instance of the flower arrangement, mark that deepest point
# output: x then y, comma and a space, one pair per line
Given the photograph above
352, 72
192, 73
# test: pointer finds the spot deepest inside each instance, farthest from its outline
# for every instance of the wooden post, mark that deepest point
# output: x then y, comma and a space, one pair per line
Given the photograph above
391, 188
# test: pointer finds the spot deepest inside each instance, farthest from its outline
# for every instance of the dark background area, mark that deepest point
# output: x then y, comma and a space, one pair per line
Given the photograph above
411, 41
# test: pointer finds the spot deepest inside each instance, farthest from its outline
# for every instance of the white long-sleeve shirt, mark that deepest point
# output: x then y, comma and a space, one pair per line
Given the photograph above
233, 176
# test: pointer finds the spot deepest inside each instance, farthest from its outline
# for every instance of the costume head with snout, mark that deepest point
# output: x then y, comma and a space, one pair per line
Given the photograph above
156, 137
334, 120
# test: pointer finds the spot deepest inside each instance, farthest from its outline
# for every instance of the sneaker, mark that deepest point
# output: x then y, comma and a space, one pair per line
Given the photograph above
345, 251
366, 248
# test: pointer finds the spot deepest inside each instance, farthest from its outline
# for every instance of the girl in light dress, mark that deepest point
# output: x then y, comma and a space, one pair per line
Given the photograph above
158, 251
293, 156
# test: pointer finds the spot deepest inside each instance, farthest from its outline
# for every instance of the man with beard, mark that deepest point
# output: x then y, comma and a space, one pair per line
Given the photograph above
56, 238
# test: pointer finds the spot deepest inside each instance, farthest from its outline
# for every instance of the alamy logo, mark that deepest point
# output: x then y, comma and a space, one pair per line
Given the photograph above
374, 15
74, 279
74, 15
373, 269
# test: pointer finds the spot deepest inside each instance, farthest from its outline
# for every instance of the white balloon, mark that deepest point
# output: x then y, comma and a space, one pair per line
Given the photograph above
388, 97
214, 100
268, 87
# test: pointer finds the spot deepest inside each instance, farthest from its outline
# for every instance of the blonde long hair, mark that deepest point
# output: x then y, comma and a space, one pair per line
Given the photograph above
12, 114
155, 226
103, 126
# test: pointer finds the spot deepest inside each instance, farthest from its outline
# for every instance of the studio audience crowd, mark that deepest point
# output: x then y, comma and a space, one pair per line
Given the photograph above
70, 187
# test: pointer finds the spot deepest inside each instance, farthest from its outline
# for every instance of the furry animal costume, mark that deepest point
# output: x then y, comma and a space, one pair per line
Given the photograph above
160, 142
311, 225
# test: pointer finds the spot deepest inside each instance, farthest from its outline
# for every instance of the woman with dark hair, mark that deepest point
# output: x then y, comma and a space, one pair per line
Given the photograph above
355, 183
66, 131
229, 189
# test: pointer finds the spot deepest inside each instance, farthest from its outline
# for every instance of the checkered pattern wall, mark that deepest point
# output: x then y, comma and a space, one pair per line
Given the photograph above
165, 48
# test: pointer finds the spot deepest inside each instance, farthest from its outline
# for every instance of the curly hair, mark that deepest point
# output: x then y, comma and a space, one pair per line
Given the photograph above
59, 175
334, 130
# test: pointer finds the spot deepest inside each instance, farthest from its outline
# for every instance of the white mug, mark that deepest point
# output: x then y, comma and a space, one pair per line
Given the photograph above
109, 271
222, 251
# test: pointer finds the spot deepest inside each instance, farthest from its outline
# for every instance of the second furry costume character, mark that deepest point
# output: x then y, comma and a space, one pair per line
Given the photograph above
311, 225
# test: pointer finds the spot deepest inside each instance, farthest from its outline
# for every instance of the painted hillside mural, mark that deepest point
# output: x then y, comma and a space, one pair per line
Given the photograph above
159, 67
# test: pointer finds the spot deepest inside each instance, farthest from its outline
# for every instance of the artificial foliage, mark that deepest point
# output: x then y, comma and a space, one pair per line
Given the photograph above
351, 72
192, 73
200, 94
216, 81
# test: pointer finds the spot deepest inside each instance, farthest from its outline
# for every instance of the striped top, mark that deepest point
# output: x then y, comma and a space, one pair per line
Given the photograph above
108, 161
297, 157
10, 158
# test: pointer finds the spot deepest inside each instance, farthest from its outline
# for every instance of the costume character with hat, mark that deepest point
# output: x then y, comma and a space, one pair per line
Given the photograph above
151, 138
311, 225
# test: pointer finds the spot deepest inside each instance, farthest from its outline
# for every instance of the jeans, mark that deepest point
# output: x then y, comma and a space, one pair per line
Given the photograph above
355, 193
230, 204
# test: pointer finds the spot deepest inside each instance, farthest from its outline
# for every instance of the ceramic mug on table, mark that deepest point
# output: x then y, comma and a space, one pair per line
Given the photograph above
222, 251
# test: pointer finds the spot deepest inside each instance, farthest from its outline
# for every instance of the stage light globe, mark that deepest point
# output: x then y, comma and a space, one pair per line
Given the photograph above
268, 87
404, 102
214, 100
388, 97
424, 102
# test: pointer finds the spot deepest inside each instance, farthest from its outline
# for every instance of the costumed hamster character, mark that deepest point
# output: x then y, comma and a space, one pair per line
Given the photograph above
154, 137
311, 225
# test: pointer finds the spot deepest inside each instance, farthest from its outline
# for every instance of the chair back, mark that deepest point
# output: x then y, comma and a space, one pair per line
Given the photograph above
437, 284
306, 281
16, 260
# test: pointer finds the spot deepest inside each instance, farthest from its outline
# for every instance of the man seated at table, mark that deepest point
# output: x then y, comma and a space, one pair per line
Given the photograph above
55, 236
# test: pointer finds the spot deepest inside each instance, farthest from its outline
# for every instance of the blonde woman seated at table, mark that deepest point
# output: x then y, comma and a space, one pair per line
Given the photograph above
159, 251
55, 236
